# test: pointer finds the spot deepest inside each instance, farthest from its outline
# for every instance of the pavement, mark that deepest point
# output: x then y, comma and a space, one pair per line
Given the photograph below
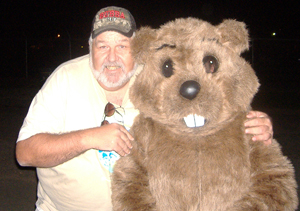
18, 184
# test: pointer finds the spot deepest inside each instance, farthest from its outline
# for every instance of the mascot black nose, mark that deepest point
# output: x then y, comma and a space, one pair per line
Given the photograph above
190, 89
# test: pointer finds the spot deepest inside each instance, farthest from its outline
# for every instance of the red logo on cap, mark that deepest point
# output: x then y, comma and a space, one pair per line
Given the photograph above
111, 13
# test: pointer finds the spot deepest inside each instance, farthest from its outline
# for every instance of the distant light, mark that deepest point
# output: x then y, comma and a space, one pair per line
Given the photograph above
274, 34
81, 46
58, 35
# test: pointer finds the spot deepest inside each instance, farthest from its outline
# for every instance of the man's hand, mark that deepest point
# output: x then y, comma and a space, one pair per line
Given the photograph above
114, 137
260, 126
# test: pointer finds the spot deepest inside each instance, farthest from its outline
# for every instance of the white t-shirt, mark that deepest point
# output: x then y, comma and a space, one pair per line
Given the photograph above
71, 99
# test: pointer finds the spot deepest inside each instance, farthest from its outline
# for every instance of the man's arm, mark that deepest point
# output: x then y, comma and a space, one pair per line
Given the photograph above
260, 126
48, 150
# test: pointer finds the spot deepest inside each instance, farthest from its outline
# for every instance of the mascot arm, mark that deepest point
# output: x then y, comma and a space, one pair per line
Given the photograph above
272, 179
130, 182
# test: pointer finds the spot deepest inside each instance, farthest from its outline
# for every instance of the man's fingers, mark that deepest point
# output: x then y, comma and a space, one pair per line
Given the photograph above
262, 121
127, 137
123, 129
124, 148
266, 138
253, 114
121, 152
262, 136
256, 129
116, 138
120, 147
124, 143
261, 133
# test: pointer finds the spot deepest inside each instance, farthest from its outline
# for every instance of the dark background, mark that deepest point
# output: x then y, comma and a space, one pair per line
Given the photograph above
30, 51
29, 42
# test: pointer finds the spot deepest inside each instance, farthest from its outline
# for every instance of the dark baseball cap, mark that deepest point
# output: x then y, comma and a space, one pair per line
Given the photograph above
113, 19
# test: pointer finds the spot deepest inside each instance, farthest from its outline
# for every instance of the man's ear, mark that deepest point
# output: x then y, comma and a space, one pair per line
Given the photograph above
140, 45
234, 35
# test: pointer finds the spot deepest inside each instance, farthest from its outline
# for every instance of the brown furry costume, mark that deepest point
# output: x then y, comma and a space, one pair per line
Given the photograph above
192, 67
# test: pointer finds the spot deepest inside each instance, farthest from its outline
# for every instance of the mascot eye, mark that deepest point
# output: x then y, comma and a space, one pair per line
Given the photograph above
211, 64
167, 68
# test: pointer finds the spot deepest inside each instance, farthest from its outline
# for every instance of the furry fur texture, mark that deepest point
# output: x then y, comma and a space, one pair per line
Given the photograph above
195, 68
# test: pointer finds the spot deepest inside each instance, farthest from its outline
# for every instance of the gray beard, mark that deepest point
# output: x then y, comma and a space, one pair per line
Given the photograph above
102, 78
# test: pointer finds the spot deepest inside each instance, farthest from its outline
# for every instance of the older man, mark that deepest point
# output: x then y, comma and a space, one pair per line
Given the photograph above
61, 134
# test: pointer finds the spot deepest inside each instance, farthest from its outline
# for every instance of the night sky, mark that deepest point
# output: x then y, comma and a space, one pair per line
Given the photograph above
46, 18
39, 22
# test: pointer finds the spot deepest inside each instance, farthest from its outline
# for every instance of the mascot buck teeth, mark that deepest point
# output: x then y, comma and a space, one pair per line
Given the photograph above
190, 150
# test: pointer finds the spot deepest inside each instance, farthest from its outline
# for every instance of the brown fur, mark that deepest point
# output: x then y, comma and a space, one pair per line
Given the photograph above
213, 167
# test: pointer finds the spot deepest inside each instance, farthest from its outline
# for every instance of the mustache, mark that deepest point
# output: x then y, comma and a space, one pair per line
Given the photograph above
113, 64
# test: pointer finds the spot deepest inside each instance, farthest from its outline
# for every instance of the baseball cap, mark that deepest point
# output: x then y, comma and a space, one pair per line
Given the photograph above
113, 19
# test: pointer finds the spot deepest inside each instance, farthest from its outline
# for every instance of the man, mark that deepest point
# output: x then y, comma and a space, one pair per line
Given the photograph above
61, 134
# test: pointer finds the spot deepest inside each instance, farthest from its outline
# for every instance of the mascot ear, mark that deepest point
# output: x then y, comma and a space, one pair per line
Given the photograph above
234, 35
140, 45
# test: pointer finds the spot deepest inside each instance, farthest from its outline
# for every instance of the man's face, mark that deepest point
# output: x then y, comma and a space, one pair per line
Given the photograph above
112, 63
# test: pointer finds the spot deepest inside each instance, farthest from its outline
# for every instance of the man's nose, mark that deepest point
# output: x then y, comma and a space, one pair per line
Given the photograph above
112, 55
